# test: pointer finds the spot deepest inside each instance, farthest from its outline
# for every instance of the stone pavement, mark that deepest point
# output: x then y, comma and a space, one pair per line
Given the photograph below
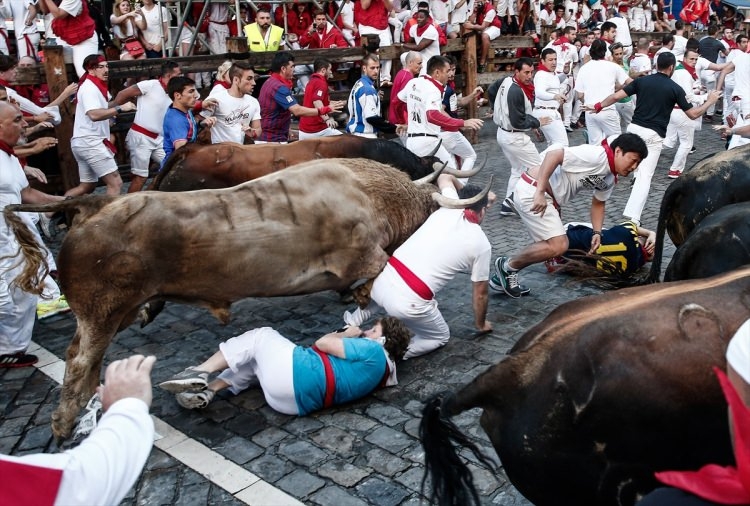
367, 452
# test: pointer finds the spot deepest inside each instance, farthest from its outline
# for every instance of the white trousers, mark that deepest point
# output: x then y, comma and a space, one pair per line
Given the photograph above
385, 40
458, 145
76, 54
520, 152
567, 87
708, 79
644, 173
23, 45
323, 133
625, 111
602, 125
422, 317
217, 38
266, 356
554, 132
422, 146
682, 129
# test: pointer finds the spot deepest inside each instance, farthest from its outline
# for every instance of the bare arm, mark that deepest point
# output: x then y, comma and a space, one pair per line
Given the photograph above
615, 97
53, 9
332, 343
69, 91
697, 112
127, 94
597, 222
365, 4
110, 112
31, 196
728, 69
418, 47
551, 161
479, 302
650, 236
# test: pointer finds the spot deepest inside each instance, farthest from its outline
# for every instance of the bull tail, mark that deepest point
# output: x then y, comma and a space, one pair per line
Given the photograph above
451, 479
36, 269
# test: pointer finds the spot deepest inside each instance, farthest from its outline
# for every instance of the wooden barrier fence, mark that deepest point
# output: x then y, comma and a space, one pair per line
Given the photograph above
57, 75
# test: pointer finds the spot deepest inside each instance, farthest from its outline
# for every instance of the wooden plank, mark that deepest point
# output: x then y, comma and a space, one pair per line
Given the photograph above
57, 80
512, 42
469, 66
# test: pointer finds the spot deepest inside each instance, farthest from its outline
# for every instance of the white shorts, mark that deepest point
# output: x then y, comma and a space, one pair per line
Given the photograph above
143, 149
95, 160
326, 132
492, 32
540, 228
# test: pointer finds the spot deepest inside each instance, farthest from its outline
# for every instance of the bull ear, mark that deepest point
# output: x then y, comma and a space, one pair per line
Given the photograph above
438, 169
462, 203
466, 173
440, 143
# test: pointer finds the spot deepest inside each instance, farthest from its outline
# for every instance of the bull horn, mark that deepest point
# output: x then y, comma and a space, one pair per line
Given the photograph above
461, 203
466, 173
440, 143
432, 177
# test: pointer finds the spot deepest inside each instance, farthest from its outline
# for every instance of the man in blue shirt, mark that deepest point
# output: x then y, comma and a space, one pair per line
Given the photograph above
296, 380
180, 126
365, 117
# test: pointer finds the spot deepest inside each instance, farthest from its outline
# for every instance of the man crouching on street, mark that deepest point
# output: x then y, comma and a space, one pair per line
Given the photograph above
542, 190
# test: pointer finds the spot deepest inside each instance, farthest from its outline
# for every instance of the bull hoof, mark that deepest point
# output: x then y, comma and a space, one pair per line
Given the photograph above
61, 428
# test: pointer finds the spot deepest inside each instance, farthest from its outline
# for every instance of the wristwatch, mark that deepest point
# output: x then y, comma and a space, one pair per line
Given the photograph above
118, 109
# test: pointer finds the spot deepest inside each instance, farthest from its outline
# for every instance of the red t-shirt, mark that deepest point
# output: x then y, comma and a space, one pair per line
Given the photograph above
397, 109
316, 89
375, 16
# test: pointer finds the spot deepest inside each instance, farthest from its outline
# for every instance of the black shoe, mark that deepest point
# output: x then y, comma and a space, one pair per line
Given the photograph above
693, 150
508, 280
508, 208
18, 359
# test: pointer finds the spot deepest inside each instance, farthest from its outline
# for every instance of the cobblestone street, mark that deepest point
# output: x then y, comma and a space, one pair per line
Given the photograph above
367, 452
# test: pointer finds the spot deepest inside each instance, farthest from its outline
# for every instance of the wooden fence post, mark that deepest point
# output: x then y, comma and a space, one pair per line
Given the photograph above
237, 45
469, 64
57, 80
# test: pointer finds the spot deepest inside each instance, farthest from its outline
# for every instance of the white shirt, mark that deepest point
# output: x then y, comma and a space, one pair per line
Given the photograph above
729, 80
103, 468
546, 17
597, 79
641, 63
460, 15
445, 245
19, 10
566, 54
584, 167
680, 44
546, 86
72, 7
439, 11
683, 78
347, 13
231, 114
152, 106
501, 7
433, 49
623, 30
421, 95
90, 98
152, 33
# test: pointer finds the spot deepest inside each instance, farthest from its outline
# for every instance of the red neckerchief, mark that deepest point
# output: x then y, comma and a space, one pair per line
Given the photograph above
223, 84
558, 19
560, 41
528, 89
422, 29
721, 485
542, 68
4, 146
286, 82
5, 83
732, 44
471, 216
610, 158
100, 85
163, 84
436, 83
691, 71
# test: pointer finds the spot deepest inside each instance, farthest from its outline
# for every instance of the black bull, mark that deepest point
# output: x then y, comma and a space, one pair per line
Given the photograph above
719, 243
709, 185
602, 393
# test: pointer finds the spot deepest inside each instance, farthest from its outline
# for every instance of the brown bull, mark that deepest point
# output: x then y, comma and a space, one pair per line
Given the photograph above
200, 166
599, 395
318, 226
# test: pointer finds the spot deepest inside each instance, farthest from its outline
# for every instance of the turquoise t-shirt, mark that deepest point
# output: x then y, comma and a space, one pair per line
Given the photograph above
356, 376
